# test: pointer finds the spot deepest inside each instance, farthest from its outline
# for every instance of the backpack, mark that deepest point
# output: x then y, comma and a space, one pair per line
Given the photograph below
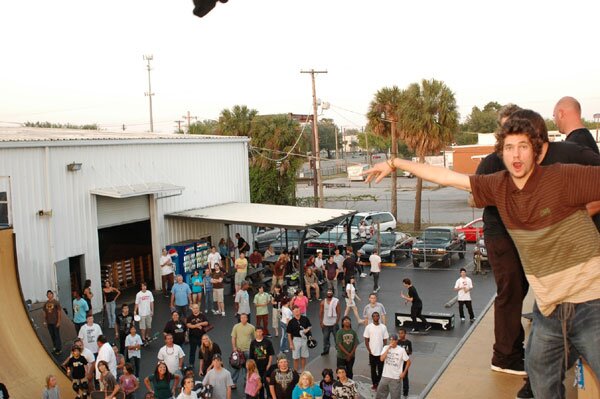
237, 360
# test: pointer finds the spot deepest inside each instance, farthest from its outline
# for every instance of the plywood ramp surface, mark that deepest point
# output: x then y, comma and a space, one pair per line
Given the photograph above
25, 362
469, 374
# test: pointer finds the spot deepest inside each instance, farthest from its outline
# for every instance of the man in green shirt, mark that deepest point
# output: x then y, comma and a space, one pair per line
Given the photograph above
261, 301
242, 335
346, 340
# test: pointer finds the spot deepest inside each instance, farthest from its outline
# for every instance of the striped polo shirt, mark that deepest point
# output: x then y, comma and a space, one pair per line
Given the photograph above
557, 241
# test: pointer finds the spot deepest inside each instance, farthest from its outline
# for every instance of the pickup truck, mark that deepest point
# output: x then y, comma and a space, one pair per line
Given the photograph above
439, 244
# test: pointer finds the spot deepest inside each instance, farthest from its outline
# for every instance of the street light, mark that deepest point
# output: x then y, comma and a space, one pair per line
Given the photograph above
148, 58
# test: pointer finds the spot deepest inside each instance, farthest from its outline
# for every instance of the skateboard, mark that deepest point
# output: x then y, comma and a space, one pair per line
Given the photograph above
104, 395
153, 338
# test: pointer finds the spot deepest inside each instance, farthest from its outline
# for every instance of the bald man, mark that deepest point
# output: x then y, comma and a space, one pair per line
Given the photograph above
567, 116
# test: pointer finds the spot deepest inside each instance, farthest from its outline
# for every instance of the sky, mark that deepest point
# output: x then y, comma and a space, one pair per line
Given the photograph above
74, 61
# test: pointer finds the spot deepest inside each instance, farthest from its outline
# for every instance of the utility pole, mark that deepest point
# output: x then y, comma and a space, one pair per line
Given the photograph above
336, 142
189, 118
148, 58
179, 126
368, 149
318, 180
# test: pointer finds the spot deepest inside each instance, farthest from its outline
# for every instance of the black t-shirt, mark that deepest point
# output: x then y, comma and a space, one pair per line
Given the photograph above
270, 371
278, 298
284, 383
242, 244
77, 367
412, 292
207, 355
124, 323
196, 332
260, 352
407, 345
349, 267
584, 138
559, 152
296, 325
177, 330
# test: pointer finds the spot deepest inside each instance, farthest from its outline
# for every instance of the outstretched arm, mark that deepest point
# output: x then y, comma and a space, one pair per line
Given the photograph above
435, 174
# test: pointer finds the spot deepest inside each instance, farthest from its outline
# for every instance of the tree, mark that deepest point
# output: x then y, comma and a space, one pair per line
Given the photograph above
274, 161
427, 121
50, 125
483, 120
206, 127
383, 119
237, 121
327, 132
465, 138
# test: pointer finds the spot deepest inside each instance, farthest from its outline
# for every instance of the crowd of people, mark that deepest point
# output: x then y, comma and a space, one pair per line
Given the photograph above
277, 313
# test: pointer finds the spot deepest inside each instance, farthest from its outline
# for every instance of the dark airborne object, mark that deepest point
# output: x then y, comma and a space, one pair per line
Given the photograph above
203, 7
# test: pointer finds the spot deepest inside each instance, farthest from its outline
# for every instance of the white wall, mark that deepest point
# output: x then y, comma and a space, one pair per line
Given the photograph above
212, 173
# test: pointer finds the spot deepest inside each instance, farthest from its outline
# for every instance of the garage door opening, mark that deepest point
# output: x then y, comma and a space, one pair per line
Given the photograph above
126, 255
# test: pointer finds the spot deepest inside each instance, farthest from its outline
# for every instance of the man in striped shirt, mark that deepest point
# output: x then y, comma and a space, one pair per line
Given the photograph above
544, 211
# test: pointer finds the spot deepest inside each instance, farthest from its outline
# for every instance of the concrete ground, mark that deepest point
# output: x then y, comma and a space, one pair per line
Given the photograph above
434, 284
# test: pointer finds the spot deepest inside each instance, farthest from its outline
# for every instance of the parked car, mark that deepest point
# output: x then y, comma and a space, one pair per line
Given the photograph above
329, 240
355, 172
392, 246
480, 255
472, 230
386, 221
439, 244
278, 240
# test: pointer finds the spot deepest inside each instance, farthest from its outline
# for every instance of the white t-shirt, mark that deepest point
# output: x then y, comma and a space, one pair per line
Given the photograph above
376, 335
352, 289
166, 267
394, 361
107, 354
286, 314
192, 395
319, 263
375, 261
132, 341
89, 356
90, 335
214, 258
171, 357
464, 283
143, 300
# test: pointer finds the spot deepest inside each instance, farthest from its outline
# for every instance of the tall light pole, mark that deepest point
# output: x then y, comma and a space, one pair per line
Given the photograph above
317, 155
148, 58
394, 153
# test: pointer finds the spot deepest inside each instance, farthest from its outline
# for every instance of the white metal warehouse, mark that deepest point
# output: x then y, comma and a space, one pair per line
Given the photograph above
73, 195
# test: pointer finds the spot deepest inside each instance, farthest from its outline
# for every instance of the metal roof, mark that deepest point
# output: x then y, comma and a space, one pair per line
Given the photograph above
134, 190
35, 137
288, 217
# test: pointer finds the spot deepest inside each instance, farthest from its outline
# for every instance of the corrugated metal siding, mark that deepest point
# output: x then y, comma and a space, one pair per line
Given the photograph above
212, 173
117, 211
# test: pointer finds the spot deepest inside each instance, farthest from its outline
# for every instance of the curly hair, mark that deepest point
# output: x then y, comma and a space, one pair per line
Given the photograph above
519, 126
539, 124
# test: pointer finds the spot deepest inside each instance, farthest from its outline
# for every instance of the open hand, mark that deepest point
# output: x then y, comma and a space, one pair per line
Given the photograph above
377, 172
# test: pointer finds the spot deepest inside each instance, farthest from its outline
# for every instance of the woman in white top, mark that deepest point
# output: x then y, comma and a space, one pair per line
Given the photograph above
167, 272
286, 316
269, 252
351, 298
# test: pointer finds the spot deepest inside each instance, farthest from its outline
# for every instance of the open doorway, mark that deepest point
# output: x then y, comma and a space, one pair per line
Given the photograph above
126, 254
70, 276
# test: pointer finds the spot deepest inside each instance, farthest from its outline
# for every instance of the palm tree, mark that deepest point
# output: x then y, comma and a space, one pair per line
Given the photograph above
237, 121
383, 121
428, 119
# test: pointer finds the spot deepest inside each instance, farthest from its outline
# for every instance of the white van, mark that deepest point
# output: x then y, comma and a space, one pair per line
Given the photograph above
385, 220
355, 172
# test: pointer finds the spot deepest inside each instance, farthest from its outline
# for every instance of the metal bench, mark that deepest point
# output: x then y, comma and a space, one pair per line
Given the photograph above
443, 321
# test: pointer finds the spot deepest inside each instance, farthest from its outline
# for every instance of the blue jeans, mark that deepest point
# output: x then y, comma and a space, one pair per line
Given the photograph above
110, 313
208, 297
284, 344
545, 352
242, 370
327, 331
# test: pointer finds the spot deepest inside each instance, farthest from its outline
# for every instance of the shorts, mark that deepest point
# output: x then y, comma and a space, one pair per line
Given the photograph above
300, 348
218, 294
240, 277
145, 322
275, 318
350, 302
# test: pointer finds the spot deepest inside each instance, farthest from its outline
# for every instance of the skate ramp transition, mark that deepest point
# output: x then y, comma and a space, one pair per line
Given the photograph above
25, 361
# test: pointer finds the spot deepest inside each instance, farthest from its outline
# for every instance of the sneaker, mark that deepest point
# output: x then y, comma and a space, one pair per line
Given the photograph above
377, 290
428, 327
325, 353
363, 274
223, 314
472, 320
525, 392
286, 351
414, 330
374, 387
215, 312
268, 336
462, 319
516, 369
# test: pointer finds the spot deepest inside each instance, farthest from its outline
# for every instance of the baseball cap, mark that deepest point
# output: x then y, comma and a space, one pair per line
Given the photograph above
216, 356
394, 337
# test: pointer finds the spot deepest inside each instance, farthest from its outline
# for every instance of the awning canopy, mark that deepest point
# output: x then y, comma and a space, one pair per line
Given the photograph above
134, 190
287, 217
